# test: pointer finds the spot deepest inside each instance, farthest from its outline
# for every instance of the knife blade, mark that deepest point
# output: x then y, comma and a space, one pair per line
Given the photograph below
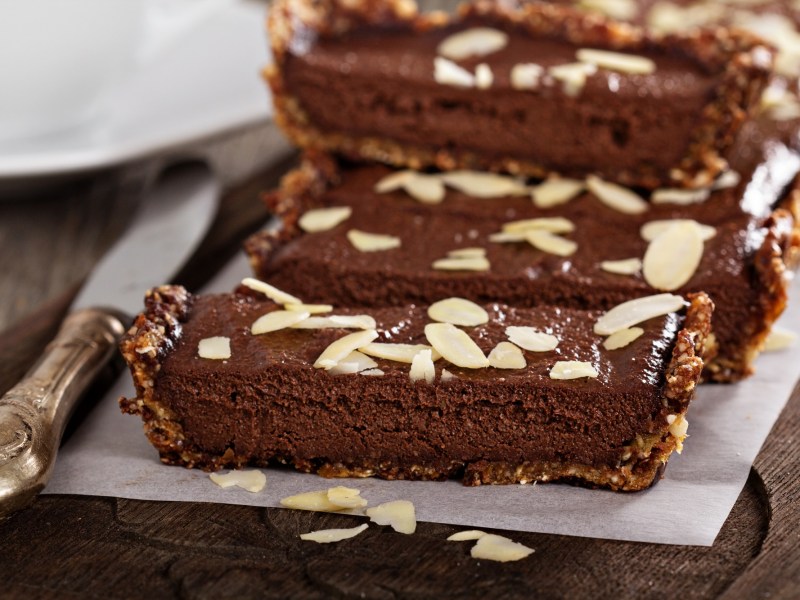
169, 225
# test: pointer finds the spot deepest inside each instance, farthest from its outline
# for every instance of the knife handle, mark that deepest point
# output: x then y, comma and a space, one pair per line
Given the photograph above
34, 412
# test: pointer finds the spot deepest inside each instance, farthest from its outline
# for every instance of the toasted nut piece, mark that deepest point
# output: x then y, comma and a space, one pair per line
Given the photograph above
616, 61
399, 514
327, 536
499, 548
446, 72
551, 243
346, 497
626, 266
323, 219
665, 269
507, 356
478, 41
270, 291
617, 197
422, 368
530, 339
479, 184
621, 338
403, 353
572, 369
458, 311
455, 346
277, 320
636, 311
372, 242
339, 349
469, 534
678, 426
215, 348
252, 481
553, 192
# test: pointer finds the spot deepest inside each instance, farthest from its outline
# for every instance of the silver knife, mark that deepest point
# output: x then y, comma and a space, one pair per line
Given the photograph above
173, 217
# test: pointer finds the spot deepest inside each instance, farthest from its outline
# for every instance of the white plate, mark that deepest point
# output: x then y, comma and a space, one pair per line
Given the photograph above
127, 83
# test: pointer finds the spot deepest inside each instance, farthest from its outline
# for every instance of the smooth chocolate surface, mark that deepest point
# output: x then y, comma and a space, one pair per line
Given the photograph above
325, 267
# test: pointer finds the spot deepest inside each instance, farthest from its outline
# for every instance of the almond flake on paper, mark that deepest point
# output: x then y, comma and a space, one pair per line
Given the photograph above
346, 497
314, 501
478, 41
458, 311
215, 348
372, 242
572, 369
252, 481
468, 535
327, 536
498, 548
399, 514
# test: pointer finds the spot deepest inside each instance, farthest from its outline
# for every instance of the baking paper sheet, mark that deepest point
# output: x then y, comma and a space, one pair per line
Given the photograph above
109, 456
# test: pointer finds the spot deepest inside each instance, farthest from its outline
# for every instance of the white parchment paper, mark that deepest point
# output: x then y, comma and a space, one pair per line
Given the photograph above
109, 456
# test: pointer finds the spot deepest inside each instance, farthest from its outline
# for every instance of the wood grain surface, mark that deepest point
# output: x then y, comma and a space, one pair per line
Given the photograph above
88, 547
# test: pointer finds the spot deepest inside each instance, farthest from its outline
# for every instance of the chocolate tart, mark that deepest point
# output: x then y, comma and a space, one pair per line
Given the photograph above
744, 267
268, 404
358, 78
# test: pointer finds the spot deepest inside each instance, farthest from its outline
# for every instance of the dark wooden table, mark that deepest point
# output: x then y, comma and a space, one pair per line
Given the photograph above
73, 546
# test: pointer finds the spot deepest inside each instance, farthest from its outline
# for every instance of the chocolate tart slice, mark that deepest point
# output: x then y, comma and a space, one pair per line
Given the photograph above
213, 394
749, 241
526, 88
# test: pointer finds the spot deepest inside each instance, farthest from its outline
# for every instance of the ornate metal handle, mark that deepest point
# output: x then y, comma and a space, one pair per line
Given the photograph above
33, 413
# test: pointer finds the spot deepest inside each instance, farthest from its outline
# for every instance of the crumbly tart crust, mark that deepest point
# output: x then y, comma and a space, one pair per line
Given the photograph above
773, 262
741, 59
156, 332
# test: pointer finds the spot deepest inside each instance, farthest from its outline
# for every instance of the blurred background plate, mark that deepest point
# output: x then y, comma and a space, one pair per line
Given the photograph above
94, 83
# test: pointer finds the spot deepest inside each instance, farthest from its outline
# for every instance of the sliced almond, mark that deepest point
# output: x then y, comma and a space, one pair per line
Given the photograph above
447, 375
652, 229
469, 534
427, 189
446, 72
476, 263
636, 311
467, 253
572, 76
252, 481
530, 339
339, 349
422, 368
507, 356
394, 181
215, 348
403, 353
499, 549
729, 179
551, 224
779, 339
313, 309
317, 501
455, 346
458, 311
679, 196
399, 514
626, 266
484, 78
327, 536
270, 291
615, 196
346, 497
355, 362
503, 237
526, 76
372, 242
372, 373
616, 61
277, 320
623, 337
554, 192
678, 426
479, 184
663, 267
337, 322
622, 10
478, 41
572, 369
551, 243
323, 219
